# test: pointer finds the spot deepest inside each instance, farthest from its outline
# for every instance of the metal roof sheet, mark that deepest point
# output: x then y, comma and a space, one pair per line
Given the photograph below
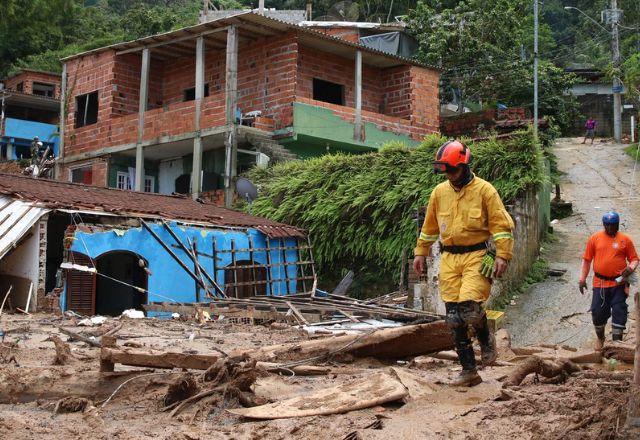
16, 218
263, 25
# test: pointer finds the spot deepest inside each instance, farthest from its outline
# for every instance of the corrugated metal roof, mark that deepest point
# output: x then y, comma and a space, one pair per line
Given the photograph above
16, 218
261, 25
53, 194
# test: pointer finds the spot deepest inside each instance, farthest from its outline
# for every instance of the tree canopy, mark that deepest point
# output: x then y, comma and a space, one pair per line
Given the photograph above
485, 47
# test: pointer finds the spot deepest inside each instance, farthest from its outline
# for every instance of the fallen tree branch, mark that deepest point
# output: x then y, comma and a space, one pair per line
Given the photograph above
546, 368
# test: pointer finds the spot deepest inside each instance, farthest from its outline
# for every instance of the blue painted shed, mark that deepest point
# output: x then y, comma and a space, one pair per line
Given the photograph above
107, 250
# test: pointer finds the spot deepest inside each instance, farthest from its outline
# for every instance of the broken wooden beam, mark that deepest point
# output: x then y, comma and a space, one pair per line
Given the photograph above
138, 358
389, 343
79, 337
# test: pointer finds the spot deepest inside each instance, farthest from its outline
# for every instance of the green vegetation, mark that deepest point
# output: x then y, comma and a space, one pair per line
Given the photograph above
360, 210
633, 150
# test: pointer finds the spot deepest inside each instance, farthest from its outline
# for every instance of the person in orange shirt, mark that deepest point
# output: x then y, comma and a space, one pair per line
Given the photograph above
614, 260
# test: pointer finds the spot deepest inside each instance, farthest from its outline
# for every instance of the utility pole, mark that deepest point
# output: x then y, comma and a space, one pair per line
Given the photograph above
535, 69
617, 86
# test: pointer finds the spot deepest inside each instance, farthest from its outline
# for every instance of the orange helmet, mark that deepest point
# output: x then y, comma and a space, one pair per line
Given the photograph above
450, 155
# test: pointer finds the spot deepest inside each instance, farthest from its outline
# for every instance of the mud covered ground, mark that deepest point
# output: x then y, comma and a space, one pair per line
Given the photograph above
595, 178
578, 408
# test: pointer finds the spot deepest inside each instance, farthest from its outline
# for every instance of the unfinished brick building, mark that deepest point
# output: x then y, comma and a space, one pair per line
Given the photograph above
185, 111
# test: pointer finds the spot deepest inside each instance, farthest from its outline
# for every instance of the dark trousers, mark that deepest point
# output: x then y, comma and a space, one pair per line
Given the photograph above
609, 302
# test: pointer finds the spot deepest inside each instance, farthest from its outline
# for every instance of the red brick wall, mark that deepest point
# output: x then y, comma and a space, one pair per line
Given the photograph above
425, 103
27, 78
266, 78
85, 75
396, 82
328, 67
469, 124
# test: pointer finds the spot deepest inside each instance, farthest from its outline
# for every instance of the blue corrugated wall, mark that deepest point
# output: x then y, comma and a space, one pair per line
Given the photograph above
168, 281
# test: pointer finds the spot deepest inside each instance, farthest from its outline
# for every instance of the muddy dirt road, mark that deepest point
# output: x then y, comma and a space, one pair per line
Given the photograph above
596, 178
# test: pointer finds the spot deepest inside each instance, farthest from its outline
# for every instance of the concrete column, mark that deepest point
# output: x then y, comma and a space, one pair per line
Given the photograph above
231, 100
196, 171
142, 108
357, 133
63, 119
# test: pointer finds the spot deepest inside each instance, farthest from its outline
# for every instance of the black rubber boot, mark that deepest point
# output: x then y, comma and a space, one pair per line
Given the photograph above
469, 375
617, 333
600, 335
487, 342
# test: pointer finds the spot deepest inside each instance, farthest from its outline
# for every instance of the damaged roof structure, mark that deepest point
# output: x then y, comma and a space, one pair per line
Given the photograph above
121, 250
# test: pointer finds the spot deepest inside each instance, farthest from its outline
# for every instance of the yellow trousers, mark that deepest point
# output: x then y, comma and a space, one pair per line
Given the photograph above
460, 278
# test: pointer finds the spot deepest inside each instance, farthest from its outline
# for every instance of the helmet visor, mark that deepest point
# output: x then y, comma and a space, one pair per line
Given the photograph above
441, 167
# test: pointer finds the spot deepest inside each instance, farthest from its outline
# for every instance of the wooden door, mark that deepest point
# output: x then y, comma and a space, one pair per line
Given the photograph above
81, 286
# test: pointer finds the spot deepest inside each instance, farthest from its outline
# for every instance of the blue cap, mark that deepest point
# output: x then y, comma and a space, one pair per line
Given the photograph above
610, 218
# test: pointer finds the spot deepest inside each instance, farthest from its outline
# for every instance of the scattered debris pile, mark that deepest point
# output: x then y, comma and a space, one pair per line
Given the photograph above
107, 378
304, 308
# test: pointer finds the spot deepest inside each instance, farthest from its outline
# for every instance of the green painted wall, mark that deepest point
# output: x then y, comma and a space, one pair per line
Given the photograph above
318, 131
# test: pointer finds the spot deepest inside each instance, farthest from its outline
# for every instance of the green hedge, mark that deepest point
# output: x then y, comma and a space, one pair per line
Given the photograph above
360, 209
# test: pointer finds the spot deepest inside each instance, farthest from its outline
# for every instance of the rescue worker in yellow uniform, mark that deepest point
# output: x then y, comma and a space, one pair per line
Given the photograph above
465, 212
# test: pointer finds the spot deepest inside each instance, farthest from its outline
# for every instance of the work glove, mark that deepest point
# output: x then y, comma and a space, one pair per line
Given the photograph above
486, 267
582, 285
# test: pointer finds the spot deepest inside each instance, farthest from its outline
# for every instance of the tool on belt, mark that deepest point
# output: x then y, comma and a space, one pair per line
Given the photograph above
488, 261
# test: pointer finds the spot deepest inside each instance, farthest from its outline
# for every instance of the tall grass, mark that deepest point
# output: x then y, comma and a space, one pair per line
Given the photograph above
360, 209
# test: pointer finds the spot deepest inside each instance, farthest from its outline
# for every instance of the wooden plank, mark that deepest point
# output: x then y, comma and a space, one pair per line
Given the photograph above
138, 358
297, 313
350, 316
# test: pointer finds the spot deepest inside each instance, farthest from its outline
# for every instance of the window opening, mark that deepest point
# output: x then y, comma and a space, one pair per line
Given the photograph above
43, 89
327, 91
190, 94
86, 109
82, 175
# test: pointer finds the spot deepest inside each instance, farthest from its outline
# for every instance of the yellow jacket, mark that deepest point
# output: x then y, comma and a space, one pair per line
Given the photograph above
466, 217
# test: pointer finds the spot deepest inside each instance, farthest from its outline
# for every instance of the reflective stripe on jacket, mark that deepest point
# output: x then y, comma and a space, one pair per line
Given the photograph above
467, 217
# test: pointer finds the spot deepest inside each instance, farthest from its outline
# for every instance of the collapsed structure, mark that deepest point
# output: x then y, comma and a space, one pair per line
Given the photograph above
121, 250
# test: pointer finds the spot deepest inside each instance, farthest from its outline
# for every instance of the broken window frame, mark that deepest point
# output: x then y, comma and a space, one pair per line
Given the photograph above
87, 107
304, 258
